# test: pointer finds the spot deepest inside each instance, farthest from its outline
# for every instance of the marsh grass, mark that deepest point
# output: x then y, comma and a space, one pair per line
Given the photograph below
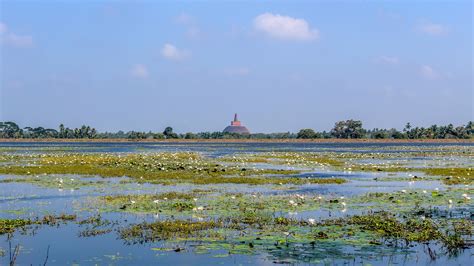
162, 168
259, 230
164, 230
9, 226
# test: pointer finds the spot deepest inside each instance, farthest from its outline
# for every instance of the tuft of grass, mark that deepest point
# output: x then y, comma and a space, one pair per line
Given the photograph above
164, 230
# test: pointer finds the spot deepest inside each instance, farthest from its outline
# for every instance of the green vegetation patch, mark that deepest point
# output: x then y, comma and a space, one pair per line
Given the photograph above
9, 226
164, 230
159, 168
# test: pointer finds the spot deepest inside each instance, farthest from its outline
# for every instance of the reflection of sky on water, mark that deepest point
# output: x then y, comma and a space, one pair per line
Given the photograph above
28, 200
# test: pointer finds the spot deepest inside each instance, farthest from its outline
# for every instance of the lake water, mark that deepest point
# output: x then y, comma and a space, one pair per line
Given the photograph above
66, 247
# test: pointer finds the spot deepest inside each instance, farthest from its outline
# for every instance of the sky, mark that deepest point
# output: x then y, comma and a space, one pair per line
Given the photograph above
281, 65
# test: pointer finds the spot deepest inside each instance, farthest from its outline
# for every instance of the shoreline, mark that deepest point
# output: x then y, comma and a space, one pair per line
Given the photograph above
237, 141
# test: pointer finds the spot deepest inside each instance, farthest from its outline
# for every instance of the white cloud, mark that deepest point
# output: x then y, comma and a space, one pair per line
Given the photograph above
171, 52
17, 40
188, 21
139, 71
428, 72
285, 28
432, 29
389, 60
239, 71
3, 28
184, 19
10, 38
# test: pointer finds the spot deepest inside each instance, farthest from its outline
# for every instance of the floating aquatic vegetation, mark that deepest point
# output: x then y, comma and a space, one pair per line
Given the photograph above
9, 226
163, 230
162, 168
254, 203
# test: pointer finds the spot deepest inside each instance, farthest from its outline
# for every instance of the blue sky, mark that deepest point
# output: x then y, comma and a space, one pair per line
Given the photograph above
282, 65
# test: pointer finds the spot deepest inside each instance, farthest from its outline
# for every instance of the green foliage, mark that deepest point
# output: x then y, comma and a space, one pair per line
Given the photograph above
163, 230
307, 134
169, 134
349, 129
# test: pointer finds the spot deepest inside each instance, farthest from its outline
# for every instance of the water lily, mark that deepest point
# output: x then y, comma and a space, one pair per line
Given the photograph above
156, 201
133, 202
424, 191
311, 221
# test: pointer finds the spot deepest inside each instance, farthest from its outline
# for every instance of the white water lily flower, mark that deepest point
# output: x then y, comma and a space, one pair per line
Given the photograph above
343, 204
424, 191
156, 201
200, 208
133, 202
165, 198
342, 198
286, 233
437, 189
404, 191
195, 199
450, 201
311, 221
232, 197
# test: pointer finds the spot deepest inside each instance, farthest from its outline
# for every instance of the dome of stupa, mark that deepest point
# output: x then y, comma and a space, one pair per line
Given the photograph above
236, 127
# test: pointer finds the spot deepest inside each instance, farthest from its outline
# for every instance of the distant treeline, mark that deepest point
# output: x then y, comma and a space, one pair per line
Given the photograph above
349, 129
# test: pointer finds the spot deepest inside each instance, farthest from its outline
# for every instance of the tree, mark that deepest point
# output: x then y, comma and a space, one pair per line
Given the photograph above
349, 129
10, 130
169, 134
190, 135
307, 133
62, 131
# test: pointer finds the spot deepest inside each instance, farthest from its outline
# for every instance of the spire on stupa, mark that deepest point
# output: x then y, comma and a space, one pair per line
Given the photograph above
236, 122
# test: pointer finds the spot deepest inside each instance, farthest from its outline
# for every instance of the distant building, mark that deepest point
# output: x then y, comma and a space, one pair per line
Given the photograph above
236, 127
